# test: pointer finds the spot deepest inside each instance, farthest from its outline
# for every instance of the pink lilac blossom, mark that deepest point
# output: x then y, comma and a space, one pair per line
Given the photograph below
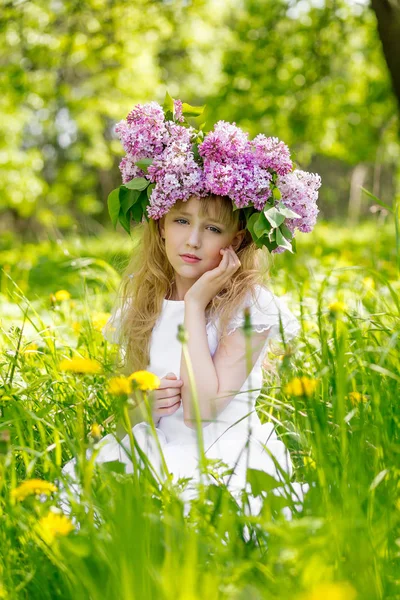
178, 111
143, 135
273, 154
224, 143
299, 191
129, 170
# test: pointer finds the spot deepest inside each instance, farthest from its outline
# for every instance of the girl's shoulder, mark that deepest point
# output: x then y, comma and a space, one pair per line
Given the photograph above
267, 312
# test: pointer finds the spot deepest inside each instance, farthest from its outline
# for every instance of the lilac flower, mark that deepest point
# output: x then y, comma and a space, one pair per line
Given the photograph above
273, 154
129, 170
178, 111
224, 143
299, 191
143, 134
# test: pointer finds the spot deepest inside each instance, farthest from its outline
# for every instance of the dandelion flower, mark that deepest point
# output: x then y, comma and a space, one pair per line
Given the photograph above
309, 462
120, 386
368, 283
61, 295
331, 591
145, 380
53, 525
356, 398
337, 307
80, 365
77, 327
99, 320
96, 430
33, 487
300, 386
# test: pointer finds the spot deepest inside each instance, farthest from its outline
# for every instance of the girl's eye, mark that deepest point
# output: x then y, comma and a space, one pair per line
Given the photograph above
212, 227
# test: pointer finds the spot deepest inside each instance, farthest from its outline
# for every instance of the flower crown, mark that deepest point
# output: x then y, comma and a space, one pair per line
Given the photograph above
167, 159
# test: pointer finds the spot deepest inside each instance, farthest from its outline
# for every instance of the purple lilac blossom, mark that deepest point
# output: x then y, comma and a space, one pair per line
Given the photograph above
178, 111
299, 191
224, 143
273, 154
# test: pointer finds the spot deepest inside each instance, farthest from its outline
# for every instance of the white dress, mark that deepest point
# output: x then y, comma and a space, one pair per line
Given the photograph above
226, 438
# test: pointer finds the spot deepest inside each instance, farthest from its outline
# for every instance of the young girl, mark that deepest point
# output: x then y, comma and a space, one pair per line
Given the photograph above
198, 263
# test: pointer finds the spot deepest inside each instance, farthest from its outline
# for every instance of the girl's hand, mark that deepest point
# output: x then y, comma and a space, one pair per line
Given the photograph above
167, 398
212, 282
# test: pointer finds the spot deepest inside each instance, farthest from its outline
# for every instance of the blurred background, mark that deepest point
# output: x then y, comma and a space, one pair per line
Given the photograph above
321, 75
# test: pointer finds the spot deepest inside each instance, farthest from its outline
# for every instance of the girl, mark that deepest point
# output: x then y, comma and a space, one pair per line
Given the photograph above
198, 264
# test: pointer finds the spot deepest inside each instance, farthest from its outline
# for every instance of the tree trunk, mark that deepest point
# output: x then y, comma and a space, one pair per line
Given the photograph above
388, 16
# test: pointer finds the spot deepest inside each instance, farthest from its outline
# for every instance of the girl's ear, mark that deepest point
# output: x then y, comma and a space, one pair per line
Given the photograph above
238, 239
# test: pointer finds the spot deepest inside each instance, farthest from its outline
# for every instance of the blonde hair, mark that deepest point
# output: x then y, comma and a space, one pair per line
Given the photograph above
149, 278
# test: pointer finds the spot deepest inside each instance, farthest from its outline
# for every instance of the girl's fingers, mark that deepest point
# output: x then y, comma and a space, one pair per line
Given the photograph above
167, 402
170, 383
166, 410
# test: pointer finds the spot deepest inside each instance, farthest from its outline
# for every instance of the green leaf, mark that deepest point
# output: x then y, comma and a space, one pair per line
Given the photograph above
250, 225
274, 216
286, 231
125, 221
261, 481
168, 105
287, 212
127, 198
276, 193
150, 189
113, 206
195, 150
283, 242
137, 212
144, 163
114, 466
192, 111
261, 226
138, 183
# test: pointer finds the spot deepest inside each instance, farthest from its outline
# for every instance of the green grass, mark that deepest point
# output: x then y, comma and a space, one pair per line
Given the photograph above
134, 541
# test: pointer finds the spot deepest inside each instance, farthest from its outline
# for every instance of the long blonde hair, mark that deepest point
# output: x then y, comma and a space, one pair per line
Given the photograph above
149, 278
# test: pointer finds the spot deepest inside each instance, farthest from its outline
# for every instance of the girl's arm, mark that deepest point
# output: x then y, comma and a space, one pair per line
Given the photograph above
218, 378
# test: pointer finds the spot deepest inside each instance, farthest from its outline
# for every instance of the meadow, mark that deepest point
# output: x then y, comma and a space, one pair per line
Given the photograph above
333, 396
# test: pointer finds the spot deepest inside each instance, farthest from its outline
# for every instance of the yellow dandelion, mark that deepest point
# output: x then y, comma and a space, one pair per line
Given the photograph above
356, 398
30, 349
80, 365
368, 283
77, 327
120, 386
62, 295
96, 430
53, 525
145, 380
301, 386
331, 591
33, 487
99, 319
309, 462
337, 307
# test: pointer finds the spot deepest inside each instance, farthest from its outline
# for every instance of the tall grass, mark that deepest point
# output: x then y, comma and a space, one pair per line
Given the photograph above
138, 541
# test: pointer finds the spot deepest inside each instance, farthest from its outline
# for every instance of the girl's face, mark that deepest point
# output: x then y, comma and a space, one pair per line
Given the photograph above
186, 232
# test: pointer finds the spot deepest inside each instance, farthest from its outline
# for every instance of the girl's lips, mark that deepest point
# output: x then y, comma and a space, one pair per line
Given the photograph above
189, 259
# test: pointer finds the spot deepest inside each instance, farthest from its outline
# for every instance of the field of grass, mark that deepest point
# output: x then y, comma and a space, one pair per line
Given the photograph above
129, 538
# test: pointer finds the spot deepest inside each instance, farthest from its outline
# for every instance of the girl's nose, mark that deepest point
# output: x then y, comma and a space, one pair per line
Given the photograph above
194, 238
